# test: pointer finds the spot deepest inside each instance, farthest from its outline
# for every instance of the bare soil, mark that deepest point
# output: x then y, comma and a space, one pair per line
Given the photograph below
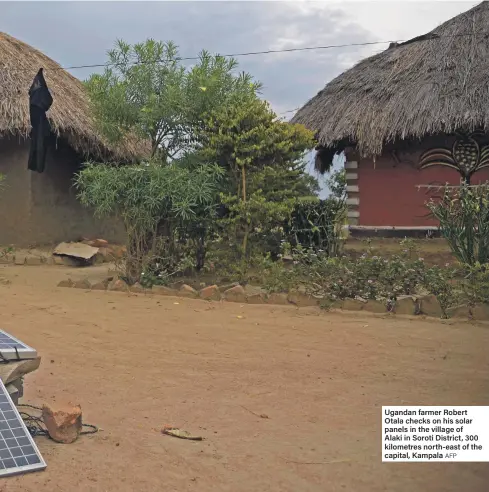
136, 363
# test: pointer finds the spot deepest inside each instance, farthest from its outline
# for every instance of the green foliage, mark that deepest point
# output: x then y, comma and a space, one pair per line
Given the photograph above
367, 277
463, 214
476, 284
146, 90
266, 174
155, 204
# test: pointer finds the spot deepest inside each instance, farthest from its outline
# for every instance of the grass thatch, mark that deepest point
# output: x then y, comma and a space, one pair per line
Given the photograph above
437, 83
70, 114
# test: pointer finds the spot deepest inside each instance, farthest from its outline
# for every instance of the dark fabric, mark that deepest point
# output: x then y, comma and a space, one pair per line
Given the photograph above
40, 101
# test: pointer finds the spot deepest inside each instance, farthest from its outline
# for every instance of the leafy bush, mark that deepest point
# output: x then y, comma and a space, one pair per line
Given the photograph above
463, 214
367, 277
157, 204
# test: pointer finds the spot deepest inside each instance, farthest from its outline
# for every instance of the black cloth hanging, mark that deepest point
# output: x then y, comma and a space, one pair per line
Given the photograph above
40, 101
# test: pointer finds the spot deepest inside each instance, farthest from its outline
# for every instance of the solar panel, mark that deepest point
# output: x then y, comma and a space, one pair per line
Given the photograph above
18, 451
13, 349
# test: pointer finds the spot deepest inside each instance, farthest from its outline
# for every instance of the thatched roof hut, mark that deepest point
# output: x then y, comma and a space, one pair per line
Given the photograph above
433, 84
70, 114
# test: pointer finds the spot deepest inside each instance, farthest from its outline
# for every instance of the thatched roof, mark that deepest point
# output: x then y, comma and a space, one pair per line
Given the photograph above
70, 114
436, 83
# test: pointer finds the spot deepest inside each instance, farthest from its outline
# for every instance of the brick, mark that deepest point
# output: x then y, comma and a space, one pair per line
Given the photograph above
64, 424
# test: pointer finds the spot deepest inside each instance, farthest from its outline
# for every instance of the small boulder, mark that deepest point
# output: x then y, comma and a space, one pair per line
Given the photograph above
66, 283
300, 299
100, 286
430, 306
462, 311
57, 260
211, 292
6, 259
33, 260
137, 288
235, 294
161, 290
225, 287
118, 285
279, 298
64, 424
406, 305
187, 291
19, 259
82, 284
480, 312
373, 306
353, 305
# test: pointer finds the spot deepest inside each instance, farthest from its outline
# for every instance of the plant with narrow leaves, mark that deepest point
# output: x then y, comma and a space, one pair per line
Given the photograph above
463, 214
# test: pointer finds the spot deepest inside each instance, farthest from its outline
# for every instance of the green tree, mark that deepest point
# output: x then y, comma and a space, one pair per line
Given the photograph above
264, 161
146, 90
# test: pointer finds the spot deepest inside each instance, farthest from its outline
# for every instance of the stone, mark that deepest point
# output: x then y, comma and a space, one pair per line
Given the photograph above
406, 305
211, 292
353, 305
301, 299
6, 259
137, 288
118, 285
68, 261
430, 306
33, 260
99, 286
161, 290
57, 260
19, 259
15, 370
279, 298
235, 294
373, 306
187, 291
63, 424
82, 284
462, 311
66, 283
258, 298
227, 286
480, 312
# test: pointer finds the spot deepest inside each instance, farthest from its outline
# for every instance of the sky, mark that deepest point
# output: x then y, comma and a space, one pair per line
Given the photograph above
80, 33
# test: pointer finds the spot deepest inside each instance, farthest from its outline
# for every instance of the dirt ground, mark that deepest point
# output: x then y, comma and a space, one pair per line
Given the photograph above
135, 363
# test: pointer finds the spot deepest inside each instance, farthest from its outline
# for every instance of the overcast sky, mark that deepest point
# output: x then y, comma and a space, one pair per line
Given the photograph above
80, 33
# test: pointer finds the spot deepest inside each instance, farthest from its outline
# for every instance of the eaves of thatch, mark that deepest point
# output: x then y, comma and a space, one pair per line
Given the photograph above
436, 83
70, 115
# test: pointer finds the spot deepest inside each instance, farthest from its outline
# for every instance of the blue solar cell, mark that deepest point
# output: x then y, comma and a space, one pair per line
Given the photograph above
18, 452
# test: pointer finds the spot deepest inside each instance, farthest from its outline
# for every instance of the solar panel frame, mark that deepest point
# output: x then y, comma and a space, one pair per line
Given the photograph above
8, 346
24, 443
